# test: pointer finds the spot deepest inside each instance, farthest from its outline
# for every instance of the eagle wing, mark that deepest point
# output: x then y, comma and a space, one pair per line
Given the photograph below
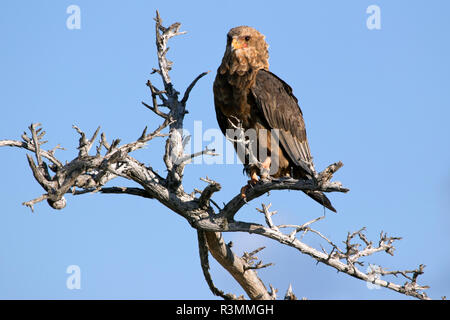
279, 107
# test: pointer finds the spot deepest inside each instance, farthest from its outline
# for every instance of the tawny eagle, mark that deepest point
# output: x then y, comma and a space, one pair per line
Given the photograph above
248, 94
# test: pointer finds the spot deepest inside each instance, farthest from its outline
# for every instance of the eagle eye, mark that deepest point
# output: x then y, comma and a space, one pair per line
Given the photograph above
247, 38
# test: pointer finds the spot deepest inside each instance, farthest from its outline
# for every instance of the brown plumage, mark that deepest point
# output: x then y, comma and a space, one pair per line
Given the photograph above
246, 90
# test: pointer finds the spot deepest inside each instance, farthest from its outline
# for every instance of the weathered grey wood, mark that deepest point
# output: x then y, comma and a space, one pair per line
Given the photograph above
237, 267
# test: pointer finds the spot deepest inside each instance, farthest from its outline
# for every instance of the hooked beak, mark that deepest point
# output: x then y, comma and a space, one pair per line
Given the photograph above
237, 44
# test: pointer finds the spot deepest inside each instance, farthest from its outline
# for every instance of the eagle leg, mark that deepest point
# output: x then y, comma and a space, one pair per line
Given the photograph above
265, 168
253, 180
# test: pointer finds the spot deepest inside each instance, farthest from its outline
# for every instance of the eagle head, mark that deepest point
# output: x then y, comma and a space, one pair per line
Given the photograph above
246, 51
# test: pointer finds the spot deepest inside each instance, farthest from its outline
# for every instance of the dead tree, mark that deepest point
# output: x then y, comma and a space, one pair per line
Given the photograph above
89, 172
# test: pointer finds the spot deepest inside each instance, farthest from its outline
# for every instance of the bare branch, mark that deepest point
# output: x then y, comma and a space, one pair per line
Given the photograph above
235, 265
290, 294
351, 255
273, 292
191, 86
203, 251
31, 203
163, 34
36, 141
207, 193
264, 186
155, 108
205, 152
268, 215
251, 260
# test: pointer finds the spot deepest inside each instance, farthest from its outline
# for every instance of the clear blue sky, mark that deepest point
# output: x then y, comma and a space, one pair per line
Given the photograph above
376, 99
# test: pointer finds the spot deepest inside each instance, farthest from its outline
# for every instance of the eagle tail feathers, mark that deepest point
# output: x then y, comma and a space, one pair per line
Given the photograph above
321, 198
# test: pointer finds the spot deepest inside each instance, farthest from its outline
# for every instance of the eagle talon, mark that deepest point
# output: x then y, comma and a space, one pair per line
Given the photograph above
250, 183
243, 191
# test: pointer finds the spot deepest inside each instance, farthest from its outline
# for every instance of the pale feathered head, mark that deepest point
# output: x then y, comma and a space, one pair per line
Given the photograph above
246, 51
